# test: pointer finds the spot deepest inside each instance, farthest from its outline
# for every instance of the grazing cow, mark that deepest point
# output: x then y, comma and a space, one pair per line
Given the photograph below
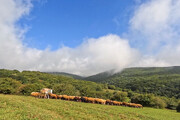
116, 103
77, 99
46, 92
35, 94
109, 102
71, 98
84, 99
53, 96
125, 104
59, 96
65, 97
90, 100
100, 101
139, 106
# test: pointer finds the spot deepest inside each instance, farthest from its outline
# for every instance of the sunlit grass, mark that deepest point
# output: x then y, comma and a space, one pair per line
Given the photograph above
14, 107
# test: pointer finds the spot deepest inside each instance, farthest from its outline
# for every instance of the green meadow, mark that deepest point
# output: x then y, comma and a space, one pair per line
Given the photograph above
14, 107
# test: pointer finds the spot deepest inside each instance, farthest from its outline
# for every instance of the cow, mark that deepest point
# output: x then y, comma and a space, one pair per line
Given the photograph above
59, 96
100, 101
77, 99
46, 92
35, 94
53, 96
109, 102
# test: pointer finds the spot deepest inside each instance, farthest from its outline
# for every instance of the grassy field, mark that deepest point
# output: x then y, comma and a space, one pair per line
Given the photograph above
14, 107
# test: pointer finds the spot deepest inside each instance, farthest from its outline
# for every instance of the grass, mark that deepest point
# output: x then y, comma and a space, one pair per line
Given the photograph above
13, 107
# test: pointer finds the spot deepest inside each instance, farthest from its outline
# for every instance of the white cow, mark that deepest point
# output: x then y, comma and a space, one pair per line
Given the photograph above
46, 92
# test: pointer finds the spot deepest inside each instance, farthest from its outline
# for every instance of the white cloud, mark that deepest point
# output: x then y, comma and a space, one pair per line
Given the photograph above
92, 56
156, 23
156, 27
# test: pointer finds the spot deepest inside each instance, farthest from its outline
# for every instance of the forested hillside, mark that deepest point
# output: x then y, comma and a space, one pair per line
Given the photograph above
67, 74
164, 81
25, 82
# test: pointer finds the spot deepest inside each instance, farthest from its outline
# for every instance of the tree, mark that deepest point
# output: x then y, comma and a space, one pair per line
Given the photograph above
66, 89
27, 89
158, 103
121, 96
9, 85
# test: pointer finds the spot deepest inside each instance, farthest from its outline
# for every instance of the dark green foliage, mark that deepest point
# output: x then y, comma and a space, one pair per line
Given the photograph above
27, 89
67, 74
111, 87
178, 107
9, 86
163, 81
65, 89
158, 103
120, 96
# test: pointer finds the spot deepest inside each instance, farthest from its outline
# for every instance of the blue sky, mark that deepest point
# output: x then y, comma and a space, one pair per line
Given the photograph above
68, 22
86, 37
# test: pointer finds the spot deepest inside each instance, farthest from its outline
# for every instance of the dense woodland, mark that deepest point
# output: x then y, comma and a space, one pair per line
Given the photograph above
162, 81
25, 82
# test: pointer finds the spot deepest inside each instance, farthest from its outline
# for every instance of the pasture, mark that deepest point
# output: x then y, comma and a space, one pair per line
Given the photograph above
13, 107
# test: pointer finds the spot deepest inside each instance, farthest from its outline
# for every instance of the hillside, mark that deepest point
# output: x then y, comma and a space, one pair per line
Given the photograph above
23, 107
67, 74
164, 81
25, 82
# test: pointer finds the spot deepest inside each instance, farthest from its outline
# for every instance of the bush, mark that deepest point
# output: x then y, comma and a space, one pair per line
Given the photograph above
144, 99
9, 85
120, 96
178, 107
66, 89
158, 103
27, 89
111, 87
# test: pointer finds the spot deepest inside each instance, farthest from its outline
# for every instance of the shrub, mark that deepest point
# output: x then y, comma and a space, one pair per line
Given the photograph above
178, 107
9, 85
158, 103
144, 99
120, 96
27, 89
66, 89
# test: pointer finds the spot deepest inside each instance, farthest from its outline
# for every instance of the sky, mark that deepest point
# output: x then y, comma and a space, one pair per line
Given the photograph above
86, 37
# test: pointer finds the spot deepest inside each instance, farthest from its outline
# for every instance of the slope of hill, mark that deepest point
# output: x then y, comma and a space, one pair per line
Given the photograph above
28, 108
163, 81
67, 74
100, 76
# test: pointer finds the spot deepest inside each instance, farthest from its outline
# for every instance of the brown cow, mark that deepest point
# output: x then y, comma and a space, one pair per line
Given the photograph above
65, 97
100, 101
71, 98
77, 99
84, 99
59, 96
109, 102
53, 96
139, 106
35, 94
90, 100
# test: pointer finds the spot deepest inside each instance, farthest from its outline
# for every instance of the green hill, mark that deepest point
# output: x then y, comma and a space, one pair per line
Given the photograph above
25, 82
67, 74
164, 81
13, 107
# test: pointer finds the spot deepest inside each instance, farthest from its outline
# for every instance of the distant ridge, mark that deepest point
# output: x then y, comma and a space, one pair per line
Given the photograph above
67, 74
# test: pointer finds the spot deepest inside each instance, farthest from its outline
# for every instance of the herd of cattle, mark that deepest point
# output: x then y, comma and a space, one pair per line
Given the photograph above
84, 99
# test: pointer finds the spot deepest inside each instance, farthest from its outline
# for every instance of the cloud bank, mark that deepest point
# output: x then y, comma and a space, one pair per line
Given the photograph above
155, 25
92, 56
